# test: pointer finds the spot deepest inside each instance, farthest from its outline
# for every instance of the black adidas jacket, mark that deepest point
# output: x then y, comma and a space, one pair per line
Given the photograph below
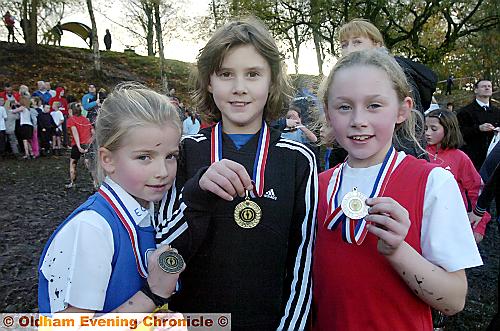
262, 276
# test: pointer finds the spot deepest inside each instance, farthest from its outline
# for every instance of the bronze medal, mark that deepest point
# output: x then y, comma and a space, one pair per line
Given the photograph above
170, 262
354, 205
247, 213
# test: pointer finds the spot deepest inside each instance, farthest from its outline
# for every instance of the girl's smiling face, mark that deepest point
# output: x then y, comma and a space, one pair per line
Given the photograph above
240, 89
146, 163
363, 110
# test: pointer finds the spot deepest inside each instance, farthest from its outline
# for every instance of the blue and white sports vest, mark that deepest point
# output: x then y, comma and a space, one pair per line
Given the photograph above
125, 279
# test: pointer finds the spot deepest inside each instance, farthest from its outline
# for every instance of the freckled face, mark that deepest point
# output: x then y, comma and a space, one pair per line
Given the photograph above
363, 110
146, 164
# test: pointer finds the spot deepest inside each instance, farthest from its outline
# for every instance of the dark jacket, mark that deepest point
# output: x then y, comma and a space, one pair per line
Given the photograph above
45, 121
476, 141
262, 276
107, 40
490, 191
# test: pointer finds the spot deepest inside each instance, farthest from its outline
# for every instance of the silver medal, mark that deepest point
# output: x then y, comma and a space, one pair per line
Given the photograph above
354, 205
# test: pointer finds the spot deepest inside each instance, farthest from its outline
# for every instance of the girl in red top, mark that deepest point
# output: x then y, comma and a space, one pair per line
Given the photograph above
81, 137
444, 138
393, 236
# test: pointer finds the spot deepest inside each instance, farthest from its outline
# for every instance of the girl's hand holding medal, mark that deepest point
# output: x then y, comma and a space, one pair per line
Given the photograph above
389, 221
162, 283
226, 179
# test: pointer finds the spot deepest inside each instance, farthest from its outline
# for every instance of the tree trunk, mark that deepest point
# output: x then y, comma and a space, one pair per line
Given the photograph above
214, 12
95, 40
316, 24
24, 19
148, 11
159, 39
32, 27
297, 48
319, 53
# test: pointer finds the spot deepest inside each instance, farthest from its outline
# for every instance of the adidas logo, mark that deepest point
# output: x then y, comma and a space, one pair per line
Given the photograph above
270, 195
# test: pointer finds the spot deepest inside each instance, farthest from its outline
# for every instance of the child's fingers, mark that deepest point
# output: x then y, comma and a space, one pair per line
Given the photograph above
237, 175
207, 184
242, 176
226, 178
388, 206
227, 182
390, 238
388, 224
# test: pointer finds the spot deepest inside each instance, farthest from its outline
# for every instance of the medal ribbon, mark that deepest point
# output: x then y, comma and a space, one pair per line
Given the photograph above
355, 231
128, 222
259, 166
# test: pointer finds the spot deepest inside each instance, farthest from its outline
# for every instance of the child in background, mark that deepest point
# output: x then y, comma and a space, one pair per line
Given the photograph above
36, 103
248, 246
190, 125
26, 125
10, 128
81, 136
96, 259
298, 132
3, 118
46, 129
394, 237
59, 96
58, 118
444, 138
35, 109
334, 154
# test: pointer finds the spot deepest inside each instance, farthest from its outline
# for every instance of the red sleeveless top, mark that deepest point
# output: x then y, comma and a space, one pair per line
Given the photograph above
355, 287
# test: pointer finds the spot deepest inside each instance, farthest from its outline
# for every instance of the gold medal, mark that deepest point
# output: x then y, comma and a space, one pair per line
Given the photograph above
247, 213
354, 205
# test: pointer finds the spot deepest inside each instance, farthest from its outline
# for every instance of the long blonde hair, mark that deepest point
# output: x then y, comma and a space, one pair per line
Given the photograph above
403, 132
129, 106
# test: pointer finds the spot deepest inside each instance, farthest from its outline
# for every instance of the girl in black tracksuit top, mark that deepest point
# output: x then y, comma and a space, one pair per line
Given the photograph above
261, 275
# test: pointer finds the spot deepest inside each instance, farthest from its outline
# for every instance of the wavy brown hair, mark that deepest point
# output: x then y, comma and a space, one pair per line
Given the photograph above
249, 31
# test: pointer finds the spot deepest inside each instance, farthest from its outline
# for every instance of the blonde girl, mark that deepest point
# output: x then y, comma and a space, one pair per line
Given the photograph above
393, 235
96, 259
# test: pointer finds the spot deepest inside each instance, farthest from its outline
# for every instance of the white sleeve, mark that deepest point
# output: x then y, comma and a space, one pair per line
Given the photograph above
77, 264
446, 234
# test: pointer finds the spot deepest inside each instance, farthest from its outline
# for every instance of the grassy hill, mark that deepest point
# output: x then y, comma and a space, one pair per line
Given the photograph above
73, 68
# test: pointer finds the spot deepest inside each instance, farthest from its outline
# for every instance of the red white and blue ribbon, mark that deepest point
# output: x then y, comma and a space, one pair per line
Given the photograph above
259, 166
128, 222
355, 231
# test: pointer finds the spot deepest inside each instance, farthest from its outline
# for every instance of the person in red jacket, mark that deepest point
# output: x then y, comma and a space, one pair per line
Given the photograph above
9, 21
60, 91
444, 138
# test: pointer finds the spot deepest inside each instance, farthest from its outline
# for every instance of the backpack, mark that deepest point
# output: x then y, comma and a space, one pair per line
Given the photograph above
425, 80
